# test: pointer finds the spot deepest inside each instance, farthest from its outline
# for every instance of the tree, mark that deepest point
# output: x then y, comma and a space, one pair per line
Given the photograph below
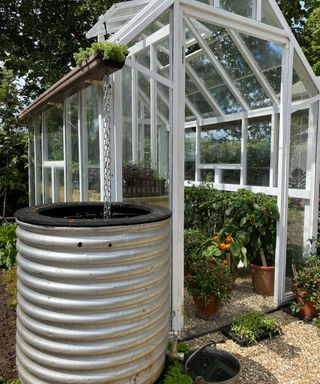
38, 37
311, 40
13, 148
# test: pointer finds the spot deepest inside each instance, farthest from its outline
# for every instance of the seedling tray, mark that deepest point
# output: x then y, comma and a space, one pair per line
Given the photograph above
244, 342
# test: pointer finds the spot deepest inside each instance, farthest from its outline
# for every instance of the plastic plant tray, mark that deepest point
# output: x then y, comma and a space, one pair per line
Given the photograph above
244, 342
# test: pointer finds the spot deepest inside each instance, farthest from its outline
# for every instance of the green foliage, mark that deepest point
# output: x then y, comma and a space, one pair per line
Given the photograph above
250, 217
7, 245
193, 240
6, 381
174, 374
39, 38
183, 348
108, 50
208, 276
306, 284
257, 215
204, 208
13, 148
230, 248
10, 281
252, 324
316, 322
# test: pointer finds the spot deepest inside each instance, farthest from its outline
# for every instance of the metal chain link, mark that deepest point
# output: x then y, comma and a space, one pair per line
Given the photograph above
107, 148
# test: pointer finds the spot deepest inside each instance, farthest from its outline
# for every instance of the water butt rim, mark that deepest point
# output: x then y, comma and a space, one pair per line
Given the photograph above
39, 215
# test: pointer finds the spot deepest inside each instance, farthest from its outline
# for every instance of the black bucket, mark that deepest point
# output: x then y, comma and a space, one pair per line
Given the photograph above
210, 365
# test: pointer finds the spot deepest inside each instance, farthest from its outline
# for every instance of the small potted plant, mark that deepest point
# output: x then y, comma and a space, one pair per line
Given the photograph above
208, 282
252, 326
306, 286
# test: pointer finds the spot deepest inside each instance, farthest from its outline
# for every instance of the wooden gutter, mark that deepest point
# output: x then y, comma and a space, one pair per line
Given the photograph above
93, 69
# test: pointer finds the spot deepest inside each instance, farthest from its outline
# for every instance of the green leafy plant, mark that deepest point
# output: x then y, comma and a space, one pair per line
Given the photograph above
174, 374
209, 276
316, 322
193, 240
228, 247
253, 324
183, 348
7, 245
306, 284
6, 381
10, 281
108, 51
257, 215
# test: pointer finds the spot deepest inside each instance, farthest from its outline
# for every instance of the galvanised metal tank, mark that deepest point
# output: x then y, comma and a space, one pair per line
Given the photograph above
93, 296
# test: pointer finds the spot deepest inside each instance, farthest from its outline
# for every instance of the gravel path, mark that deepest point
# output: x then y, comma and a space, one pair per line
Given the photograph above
292, 358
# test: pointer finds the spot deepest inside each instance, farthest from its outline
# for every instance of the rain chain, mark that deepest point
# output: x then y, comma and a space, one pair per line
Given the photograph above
107, 147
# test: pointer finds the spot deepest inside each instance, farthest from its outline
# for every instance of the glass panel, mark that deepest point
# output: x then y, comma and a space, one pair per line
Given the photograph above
221, 143
243, 8
47, 185
253, 93
53, 123
295, 243
91, 113
303, 86
38, 163
189, 116
230, 176
162, 50
146, 140
121, 15
157, 36
126, 97
72, 121
59, 179
299, 91
299, 149
258, 151
207, 175
190, 153
268, 16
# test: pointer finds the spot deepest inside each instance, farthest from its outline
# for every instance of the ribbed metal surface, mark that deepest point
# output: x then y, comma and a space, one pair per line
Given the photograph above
93, 303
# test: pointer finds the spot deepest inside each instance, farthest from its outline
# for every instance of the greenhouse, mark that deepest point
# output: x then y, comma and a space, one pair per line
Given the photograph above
212, 91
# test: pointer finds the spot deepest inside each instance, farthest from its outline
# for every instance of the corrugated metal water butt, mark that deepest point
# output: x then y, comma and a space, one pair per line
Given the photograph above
93, 297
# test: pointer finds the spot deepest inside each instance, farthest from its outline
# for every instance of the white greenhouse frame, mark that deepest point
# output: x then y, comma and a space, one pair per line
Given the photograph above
130, 31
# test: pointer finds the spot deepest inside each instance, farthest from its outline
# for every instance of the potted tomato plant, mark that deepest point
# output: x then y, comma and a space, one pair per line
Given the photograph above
306, 286
208, 281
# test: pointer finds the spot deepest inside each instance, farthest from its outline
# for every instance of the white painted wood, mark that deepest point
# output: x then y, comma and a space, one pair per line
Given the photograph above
31, 168
220, 166
296, 106
149, 73
274, 145
153, 111
38, 162
83, 150
193, 110
44, 151
67, 153
283, 173
218, 67
101, 138
137, 24
258, 10
154, 38
134, 115
177, 169
244, 151
117, 135
198, 154
54, 164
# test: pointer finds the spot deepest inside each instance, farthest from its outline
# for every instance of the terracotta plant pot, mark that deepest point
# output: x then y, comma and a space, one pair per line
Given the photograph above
308, 310
209, 311
262, 280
